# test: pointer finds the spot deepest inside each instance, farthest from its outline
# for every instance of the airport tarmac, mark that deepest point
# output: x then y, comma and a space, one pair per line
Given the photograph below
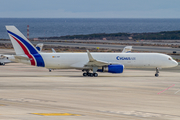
33, 93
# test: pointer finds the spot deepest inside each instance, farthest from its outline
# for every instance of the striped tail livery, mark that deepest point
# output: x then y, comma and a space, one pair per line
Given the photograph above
24, 48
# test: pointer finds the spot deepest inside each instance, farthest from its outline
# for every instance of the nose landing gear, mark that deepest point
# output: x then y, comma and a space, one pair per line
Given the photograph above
157, 72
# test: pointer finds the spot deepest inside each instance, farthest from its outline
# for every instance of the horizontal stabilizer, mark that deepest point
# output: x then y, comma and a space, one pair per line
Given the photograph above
21, 57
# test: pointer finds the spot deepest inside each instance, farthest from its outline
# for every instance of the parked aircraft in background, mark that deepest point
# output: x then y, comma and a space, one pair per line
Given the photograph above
4, 59
127, 49
95, 62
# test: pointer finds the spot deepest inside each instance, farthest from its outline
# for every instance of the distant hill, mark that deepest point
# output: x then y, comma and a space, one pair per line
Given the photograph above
165, 35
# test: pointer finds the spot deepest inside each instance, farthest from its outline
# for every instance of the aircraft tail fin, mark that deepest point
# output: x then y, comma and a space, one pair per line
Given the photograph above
20, 43
23, 46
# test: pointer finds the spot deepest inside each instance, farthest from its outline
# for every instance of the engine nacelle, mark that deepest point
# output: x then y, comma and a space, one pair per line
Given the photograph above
112, 69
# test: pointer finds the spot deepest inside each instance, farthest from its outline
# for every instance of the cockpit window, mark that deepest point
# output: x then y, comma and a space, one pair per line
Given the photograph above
170, 59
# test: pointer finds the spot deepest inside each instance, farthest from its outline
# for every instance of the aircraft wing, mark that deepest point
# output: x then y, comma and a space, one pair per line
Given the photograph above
96, 63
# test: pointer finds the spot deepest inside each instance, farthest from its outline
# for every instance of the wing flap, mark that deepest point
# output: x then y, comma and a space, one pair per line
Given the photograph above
96, 63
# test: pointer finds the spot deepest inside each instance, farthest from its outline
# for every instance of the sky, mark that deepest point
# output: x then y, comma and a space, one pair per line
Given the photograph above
89, 9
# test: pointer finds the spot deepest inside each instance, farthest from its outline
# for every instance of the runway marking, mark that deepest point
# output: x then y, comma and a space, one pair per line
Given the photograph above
166, 89
134, 113
56, 114
177, 91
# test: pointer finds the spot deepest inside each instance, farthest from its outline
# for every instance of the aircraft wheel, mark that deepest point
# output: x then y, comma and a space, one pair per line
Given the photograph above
49, 70
156, 75
84, 74
95, 74
90, 74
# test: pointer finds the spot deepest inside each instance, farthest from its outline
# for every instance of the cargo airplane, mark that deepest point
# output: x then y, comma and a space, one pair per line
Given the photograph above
87, 62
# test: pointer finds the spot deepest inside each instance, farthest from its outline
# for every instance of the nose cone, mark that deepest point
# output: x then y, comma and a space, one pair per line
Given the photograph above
175, 63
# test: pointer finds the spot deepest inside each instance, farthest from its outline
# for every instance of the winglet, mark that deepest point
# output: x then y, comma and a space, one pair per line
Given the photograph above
127, 49
91, 59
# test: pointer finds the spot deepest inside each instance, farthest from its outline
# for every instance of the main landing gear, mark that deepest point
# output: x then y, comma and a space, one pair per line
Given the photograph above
157, 72
89, 74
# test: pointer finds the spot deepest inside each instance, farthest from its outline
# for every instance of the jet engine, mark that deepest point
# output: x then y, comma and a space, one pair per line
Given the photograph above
112, 69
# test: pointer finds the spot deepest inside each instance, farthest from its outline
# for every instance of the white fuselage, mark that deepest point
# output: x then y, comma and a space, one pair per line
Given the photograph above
129, 60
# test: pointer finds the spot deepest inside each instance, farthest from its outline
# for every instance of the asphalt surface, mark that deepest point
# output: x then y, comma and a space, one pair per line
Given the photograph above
140, 48
106, 46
